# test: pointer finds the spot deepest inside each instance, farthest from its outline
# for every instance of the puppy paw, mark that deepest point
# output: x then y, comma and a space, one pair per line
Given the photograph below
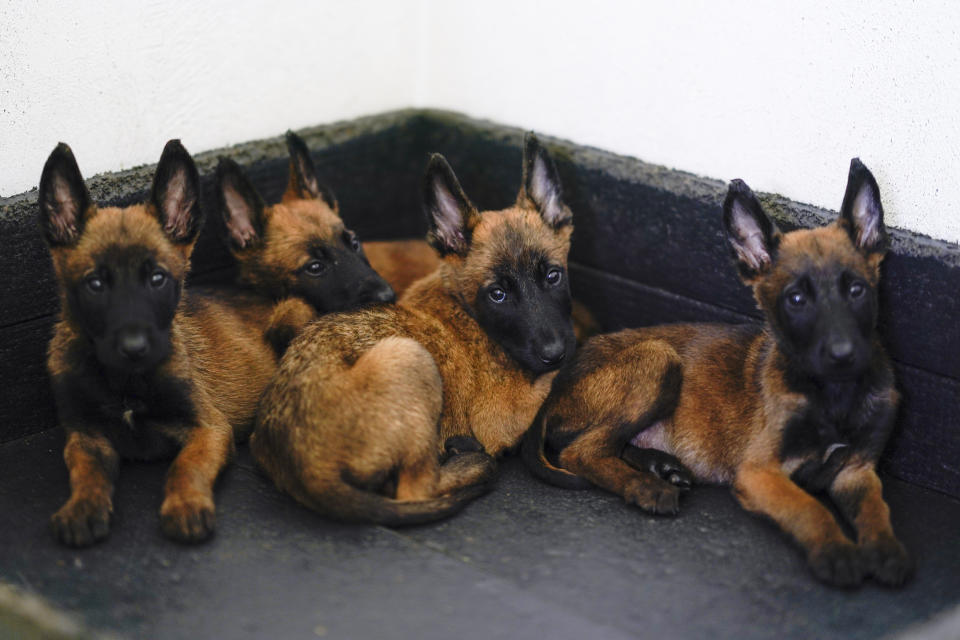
187, 518
653, 495
887, 561
838, 564
659, 463
461, 444
82, 522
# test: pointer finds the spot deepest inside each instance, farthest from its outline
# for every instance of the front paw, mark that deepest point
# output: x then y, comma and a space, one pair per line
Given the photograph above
653, 495
187, 518
837, 563
887, 561
82, 521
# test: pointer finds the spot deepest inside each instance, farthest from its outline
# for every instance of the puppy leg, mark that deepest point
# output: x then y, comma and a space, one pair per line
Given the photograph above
188, 513
589, 457
832, 557
659, 463
610, 406
289, 317
858, 493
92, 463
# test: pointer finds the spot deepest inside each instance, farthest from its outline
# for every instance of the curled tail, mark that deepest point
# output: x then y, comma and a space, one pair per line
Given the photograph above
535, 459
347, 503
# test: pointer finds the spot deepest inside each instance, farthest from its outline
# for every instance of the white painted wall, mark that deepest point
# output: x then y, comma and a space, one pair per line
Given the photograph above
780, 94
117, 78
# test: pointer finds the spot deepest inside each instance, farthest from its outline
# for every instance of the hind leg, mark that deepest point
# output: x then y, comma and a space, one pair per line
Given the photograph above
661, 464
634, 389
397, 387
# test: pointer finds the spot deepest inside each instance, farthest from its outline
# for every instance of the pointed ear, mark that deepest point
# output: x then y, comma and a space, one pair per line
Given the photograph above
303, 174
63, 198
241, 206
751, 234
541, 184
450, 215
176, 194
861, 212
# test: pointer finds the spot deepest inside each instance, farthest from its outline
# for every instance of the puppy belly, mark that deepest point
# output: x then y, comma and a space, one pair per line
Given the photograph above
653, 437
657, 436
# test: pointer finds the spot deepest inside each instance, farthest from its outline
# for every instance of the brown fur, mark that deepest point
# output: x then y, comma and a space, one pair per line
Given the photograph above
365, 402
403, 262
216, 370
720, 399
299, 247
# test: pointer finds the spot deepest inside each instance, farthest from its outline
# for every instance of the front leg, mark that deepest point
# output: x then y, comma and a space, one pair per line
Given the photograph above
832, 557
858, 494
92, 462
188, 513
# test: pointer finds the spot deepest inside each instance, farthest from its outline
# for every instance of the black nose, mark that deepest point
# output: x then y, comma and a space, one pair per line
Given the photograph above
377, 290
133, 343
840, 351
553, 352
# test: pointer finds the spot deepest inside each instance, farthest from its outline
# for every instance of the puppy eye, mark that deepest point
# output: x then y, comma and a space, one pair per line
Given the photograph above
351, 240
314, 268
797, 299
157, 278
497, 294
95, 284
856, 290
554, 276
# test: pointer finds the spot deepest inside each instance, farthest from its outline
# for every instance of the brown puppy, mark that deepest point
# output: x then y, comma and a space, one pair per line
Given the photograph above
364, 403
138, 368
300, 246
803, 403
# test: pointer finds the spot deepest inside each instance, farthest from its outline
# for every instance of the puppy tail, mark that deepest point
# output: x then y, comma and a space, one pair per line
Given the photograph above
351, 504
535, 458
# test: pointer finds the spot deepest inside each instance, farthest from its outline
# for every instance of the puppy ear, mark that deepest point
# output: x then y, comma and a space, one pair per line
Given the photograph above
541, 184
450, 215
64, 199
241, 206
751, 234
176, 194
861, 212
303, 174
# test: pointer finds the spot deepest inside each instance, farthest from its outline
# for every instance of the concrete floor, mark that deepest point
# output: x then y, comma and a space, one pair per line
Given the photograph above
528, 560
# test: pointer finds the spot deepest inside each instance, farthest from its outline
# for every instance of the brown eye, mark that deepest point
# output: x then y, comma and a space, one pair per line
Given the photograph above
95, 284
856, 290
314, 268
157, 278
797, 299
497, 294
554, 276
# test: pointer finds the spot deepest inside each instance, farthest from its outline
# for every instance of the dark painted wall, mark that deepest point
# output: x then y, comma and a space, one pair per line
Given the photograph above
647, 249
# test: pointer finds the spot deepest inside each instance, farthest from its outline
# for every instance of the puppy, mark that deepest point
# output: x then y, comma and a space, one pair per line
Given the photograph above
140, 369
801, 404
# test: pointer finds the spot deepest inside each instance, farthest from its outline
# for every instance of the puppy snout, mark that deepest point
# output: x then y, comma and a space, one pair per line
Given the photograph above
840, 351
553, 352
133, 344
376, 290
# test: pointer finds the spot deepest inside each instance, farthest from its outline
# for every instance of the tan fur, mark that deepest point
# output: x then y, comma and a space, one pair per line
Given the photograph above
364, 393
725, 422
216, 347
